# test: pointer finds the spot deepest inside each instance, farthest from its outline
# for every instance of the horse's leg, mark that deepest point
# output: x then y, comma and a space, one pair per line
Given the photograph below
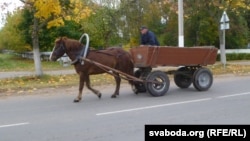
90, 88
118, 82
81, 85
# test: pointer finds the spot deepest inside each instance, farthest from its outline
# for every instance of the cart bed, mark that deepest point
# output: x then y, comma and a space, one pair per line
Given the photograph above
173, 56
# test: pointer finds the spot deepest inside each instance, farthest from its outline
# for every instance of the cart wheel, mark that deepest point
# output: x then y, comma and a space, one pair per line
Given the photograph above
203, 79
156, 89
139, 86
183, 77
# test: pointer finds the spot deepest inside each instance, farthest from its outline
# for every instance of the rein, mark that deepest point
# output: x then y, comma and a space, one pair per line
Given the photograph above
96, 51
61, 46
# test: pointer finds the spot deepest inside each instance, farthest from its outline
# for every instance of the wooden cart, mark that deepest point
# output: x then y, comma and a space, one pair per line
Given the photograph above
190, 60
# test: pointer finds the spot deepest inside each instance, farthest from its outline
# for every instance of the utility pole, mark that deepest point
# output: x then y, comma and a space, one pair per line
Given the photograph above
180, 23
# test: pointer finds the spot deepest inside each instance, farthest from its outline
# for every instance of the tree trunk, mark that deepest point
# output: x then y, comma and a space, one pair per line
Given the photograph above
36, 51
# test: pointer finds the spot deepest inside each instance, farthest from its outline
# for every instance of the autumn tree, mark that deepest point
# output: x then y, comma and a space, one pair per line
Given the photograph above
47, 36
102, 26
136, 13
11, 37
237, 35
202, 22
131, 17
51, 13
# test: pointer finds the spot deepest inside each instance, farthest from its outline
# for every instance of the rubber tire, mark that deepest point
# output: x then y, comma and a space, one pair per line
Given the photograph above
182, 80
157, 89
202, 79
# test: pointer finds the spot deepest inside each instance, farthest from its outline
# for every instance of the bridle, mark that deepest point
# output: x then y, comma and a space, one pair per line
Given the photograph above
61, 48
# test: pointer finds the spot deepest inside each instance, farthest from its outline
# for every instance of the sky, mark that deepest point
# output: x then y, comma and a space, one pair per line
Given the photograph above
12, 5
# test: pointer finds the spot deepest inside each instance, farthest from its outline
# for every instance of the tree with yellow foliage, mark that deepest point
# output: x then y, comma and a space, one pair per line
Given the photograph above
51, 13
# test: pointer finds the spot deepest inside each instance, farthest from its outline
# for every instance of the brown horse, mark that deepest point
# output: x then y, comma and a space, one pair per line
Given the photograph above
116, 58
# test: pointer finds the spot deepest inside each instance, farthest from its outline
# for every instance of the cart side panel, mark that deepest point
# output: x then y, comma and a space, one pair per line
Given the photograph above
193, 56
141, 56
173, 56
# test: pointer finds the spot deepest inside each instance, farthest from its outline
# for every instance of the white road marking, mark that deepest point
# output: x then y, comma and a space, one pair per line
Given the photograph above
239, 94
154, 106
16, 124
168, 104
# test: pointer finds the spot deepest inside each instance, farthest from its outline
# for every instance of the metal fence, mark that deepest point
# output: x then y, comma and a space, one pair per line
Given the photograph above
236, 51
64, 60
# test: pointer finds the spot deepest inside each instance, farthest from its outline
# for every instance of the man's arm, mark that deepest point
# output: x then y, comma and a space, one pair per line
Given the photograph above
151, 38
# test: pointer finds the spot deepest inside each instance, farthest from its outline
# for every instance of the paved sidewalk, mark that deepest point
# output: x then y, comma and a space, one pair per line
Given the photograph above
4, 75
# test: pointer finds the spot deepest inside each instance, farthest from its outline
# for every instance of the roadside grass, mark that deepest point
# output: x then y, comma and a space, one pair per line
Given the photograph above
30, 84
235, 69
10, 62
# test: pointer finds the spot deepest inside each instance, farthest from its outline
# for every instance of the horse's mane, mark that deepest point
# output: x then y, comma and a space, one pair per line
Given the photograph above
70, 43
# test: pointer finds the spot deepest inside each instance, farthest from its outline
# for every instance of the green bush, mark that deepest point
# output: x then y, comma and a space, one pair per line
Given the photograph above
235, 56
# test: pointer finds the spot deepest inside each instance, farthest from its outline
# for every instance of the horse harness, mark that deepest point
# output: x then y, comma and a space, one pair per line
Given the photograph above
110, 54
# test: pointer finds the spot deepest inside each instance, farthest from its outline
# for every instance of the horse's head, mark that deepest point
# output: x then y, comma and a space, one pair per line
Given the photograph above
59, 49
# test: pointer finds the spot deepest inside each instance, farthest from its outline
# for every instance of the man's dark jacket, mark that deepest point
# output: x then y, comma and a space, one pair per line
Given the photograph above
149, 39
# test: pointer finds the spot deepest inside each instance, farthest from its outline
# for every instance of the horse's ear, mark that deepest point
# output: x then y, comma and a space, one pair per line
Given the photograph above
58, 39
64, 38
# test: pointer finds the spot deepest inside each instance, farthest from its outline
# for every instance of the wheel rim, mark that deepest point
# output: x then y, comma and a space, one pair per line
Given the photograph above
157, 83
204, 79
161, 86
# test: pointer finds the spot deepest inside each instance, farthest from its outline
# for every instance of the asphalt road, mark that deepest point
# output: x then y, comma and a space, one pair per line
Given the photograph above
52, 115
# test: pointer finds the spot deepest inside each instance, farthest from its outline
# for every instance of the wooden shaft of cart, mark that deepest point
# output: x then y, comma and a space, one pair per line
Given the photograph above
112, 69
120, 72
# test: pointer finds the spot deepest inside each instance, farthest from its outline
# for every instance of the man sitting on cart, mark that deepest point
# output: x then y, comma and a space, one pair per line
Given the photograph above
148, 37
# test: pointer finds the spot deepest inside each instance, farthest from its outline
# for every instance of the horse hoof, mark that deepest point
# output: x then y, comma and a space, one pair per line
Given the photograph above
113, 96
135, 91
100, 96
76, 100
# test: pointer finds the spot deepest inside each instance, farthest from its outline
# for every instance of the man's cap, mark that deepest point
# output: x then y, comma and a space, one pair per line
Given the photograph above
143, 27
